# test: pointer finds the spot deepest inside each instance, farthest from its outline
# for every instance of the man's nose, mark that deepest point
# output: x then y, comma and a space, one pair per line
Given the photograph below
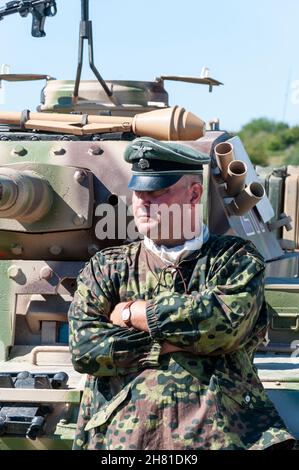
143, 196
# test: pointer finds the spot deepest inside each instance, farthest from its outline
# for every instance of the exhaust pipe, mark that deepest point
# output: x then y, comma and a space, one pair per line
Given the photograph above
236, 174
247, 199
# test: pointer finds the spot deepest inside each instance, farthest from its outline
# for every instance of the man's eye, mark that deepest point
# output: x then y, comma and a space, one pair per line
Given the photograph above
159, 193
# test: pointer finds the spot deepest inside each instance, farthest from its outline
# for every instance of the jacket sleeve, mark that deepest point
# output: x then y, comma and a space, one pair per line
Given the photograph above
221, 317
97, 346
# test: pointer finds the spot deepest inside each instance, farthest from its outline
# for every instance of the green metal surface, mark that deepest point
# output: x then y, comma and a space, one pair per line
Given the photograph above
6, 310
287, 404
132, 96
283, 315
21, 443
273, 180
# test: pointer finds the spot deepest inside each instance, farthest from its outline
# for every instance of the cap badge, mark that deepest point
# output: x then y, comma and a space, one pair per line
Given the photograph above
141, 150
143, 164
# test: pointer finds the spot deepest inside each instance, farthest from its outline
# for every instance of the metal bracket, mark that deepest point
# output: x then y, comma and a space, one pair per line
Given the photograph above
86, 33
283, 221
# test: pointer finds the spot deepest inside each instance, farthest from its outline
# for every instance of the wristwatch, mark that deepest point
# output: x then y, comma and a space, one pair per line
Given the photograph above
126, 313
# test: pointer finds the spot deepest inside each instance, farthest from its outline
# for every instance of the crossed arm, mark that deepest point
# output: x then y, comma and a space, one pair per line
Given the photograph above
215, 321
139, 322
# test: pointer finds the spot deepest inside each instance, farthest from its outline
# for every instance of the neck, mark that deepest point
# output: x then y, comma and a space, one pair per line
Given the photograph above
170, 243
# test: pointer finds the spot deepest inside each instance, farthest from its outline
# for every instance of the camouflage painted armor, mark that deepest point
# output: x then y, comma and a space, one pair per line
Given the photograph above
208, 397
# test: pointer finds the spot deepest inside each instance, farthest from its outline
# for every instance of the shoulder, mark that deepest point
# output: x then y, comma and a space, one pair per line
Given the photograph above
116, 254
109, 261
227, 246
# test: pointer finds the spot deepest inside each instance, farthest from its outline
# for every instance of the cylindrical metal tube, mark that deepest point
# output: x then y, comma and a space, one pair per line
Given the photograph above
247, 199
236, 174
224, 153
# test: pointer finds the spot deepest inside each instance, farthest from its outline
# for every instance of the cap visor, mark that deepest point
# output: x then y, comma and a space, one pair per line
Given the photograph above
152, 183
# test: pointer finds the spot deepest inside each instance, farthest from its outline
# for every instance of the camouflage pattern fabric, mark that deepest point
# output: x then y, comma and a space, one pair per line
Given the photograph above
207, 397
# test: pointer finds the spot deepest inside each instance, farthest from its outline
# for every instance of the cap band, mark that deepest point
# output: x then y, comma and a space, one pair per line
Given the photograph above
152, 183
145, 165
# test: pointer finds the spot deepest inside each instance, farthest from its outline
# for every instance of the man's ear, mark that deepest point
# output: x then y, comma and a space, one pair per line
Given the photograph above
196, 193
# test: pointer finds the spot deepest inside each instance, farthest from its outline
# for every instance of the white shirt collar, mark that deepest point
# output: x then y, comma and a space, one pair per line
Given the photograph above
176, 253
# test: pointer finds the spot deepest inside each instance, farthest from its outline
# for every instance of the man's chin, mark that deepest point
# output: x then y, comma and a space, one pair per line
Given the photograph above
148, 229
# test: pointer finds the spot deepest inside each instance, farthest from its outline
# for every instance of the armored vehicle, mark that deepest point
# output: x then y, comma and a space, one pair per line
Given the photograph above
61, 170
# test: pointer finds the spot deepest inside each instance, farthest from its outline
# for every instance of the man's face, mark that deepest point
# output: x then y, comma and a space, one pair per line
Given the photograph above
162, 215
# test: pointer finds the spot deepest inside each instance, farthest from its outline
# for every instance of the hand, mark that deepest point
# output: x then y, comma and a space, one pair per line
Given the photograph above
138, 315
115, 315
169, 348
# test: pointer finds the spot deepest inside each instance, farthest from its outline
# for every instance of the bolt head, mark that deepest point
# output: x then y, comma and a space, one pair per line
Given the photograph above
16, 249
46, 273
55, 250
79, 176
79, 220
13, 271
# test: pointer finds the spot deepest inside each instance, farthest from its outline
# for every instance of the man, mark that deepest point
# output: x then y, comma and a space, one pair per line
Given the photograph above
166, 327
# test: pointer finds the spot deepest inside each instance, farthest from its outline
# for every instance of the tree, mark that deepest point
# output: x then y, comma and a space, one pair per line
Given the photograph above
256, 148
292, 155
264, 139
263, 125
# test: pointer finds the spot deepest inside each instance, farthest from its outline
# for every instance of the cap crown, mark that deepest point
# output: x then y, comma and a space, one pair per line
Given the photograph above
157, 165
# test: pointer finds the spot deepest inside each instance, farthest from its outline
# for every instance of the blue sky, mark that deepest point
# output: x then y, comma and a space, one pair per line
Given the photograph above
250, 46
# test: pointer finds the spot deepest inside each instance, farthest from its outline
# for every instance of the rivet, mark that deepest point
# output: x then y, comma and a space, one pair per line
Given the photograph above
79, 176
13, 271
19, 150
58, 151
79, 219
16, 249
46, 272
92, 249
55, 250
96, 150
126, 125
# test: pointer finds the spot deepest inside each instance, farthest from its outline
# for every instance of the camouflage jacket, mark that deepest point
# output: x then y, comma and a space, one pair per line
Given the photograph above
209, 397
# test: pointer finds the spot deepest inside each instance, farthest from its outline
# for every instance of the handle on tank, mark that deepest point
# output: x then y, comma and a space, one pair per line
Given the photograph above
47, 349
